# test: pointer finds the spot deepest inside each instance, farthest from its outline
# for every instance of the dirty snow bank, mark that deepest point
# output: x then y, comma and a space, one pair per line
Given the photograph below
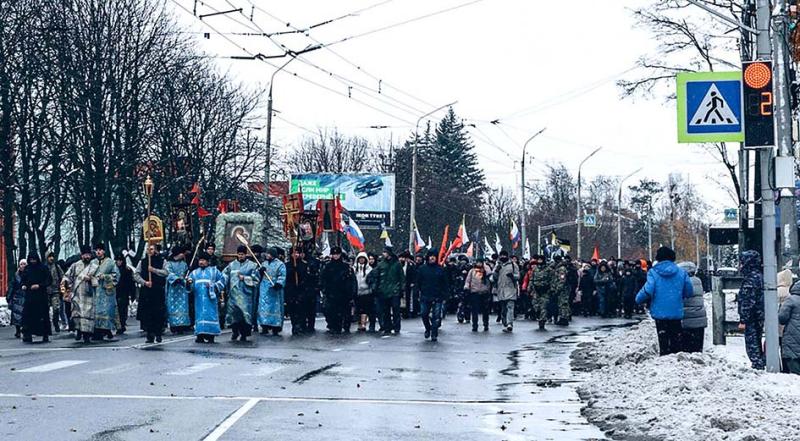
633, 394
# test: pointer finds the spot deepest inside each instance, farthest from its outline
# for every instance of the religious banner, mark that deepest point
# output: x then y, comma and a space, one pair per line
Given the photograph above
181, 224
291, 213
153, 229
228, 225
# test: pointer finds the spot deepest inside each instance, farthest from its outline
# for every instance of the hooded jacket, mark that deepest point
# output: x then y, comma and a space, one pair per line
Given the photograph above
362, 275
694, 308
666, 287
751, 294
789, 317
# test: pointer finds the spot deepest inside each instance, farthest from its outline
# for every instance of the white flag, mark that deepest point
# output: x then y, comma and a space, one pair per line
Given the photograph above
497, 245
488, 251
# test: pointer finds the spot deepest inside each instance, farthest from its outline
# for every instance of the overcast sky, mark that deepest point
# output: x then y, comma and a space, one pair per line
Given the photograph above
529, 63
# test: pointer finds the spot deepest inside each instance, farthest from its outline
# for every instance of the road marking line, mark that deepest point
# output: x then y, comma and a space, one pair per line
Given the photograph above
165, 342
52, 366
116, 369
337, 350
231, 420
193, 369
263, 371
365, 342
478, 403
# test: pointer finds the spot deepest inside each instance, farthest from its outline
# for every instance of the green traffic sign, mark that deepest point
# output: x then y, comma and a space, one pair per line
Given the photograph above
710, 107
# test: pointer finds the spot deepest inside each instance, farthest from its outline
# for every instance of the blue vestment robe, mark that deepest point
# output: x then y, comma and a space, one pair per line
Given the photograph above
177, 294
207, 283
270, 300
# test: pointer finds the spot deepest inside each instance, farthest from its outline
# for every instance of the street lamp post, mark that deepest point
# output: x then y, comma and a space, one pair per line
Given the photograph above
413, 210
619, 213
579, 219
268, 148
522, 190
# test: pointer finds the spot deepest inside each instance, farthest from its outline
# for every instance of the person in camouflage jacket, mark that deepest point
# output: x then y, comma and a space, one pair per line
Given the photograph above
560, 289
540, 288
751, 307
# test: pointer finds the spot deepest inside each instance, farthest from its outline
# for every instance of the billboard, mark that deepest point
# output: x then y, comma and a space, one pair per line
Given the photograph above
368, 198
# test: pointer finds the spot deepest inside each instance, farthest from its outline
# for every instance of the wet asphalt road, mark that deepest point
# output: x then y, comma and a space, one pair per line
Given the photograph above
468, 386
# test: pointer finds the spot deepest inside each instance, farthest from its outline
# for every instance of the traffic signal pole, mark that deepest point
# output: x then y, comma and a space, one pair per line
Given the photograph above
783, 122
764, 52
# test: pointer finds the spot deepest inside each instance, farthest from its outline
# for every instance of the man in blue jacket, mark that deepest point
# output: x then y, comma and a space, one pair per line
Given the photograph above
433, 287
666, 287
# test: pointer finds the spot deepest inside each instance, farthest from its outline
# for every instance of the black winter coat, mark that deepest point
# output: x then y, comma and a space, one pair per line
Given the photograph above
35, 315
432, 283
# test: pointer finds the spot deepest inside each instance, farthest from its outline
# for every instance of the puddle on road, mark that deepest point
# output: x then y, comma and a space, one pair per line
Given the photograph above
541, 374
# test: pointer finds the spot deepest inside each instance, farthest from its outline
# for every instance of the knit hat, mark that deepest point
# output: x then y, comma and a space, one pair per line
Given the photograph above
665, 253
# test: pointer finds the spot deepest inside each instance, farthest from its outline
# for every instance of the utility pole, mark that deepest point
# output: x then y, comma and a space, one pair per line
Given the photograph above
579, 216
783, 122
619, 213
269, 137
522, 191
763, 46
413, 210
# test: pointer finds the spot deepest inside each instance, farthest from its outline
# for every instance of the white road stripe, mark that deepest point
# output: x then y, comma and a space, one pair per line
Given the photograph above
116, 369
337, 350
193, 369
263, 371
479, 403
231, 420
365, 342
52, 366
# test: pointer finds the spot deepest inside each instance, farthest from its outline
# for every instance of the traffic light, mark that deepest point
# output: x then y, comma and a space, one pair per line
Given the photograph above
759, 122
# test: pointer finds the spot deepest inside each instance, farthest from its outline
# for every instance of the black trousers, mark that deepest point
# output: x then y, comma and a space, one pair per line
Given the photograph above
122, 308
669, 336
479, 306
337, 314
389, 313
692, 340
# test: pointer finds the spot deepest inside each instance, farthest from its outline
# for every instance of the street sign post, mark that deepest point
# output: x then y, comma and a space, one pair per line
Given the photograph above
759, 120
710, 107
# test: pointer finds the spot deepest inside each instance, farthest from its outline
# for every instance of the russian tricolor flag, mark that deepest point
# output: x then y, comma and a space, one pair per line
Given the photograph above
353, 233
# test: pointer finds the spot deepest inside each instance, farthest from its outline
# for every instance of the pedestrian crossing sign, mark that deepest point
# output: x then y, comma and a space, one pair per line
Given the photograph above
710, 107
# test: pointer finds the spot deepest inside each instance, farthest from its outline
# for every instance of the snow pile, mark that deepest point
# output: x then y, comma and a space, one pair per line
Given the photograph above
5, 313
637, 395
635, 344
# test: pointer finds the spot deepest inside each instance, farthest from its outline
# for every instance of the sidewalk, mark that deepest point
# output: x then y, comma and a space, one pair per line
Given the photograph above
633, 394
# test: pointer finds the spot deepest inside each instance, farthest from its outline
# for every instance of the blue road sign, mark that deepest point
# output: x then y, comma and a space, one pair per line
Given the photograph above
710, 107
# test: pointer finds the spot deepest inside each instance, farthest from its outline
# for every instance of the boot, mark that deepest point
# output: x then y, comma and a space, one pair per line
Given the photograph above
541, 325
26, 338
158, 338
45, 339
78, 336
87, 338
235, 334
211, 339
199, 339
56, 328
18, 334
150, 338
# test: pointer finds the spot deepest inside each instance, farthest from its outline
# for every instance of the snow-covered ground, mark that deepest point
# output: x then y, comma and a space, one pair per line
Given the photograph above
634, 394
5, 313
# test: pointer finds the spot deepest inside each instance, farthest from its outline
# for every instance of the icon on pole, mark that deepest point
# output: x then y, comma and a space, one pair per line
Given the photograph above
710, 107
590, 220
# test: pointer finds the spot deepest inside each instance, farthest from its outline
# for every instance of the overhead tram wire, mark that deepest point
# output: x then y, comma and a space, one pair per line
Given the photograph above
379, 96
322, 86
382, 98
405, 22
353, 64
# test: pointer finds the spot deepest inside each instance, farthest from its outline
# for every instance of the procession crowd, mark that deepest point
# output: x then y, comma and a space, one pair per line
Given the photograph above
261, 288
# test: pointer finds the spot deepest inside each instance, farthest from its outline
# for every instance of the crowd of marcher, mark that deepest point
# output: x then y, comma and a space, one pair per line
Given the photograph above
261, 288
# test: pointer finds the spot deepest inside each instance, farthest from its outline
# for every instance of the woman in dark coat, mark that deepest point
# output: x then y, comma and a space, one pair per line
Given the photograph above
16, 298
36, 314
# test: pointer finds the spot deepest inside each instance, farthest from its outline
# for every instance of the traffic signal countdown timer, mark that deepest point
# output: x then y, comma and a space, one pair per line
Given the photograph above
759, 123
